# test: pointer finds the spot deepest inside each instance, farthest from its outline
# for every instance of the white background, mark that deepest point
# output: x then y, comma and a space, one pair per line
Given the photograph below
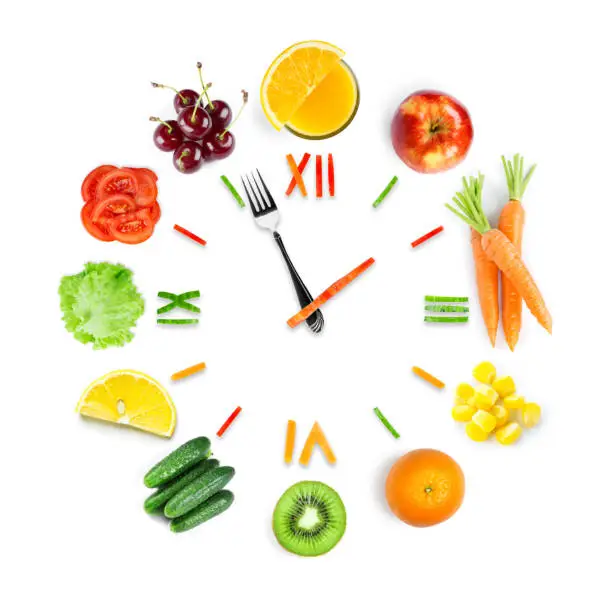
533, 531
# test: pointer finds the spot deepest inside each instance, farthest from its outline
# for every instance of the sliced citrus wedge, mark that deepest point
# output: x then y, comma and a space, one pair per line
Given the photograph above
130, 398
293, 76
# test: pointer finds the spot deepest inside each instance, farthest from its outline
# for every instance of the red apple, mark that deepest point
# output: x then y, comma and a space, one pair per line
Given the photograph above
431, 131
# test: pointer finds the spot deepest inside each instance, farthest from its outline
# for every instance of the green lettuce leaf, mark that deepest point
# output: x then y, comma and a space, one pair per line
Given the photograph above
101, 304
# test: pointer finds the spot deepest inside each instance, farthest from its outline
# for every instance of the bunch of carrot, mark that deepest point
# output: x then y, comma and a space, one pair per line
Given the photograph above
500, 249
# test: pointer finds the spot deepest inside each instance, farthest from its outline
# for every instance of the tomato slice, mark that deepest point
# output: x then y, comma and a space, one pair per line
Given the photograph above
146, 171
122, 181
155, 212
90, 184
112, 206
147, 187
132, 228
97, 230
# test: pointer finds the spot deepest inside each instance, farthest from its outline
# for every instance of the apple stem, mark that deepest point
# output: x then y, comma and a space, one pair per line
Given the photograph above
245, 99
204, 87
176, 91
158, 120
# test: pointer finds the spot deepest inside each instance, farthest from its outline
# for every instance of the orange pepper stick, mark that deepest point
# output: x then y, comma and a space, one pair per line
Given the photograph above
296, 174
329, 293
316, 436
428, 377
301, 168
290, 441
198, 367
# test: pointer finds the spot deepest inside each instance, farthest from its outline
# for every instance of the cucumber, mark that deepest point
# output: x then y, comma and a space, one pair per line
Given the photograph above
155, 502
198, 491
178, 462
212, 507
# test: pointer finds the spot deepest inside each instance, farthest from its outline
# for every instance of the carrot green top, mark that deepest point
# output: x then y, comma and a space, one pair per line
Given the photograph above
468, 204
517, 181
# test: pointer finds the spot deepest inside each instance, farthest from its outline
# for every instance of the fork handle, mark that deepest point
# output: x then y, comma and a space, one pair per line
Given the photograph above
315, 320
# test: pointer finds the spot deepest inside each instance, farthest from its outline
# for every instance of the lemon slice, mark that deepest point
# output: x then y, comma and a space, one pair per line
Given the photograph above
130, 398
293, 76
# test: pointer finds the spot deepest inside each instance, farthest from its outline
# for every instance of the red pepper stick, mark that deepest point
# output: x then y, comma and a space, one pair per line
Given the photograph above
427, 236
329, 293
331, 179
187, 233
319, 167
229, 421
301, 168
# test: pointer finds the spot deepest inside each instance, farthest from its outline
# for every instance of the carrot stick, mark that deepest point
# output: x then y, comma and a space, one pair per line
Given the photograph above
198, 367
296, 174
331, 178
329, 293
319, 169
426, 376
187, 233
316, 436
229, 421
511, 223
290, 442
497, 247
427, 236
301, 168
487, 282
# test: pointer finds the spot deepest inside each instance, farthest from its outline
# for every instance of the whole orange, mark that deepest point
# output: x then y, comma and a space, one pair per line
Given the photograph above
425, 487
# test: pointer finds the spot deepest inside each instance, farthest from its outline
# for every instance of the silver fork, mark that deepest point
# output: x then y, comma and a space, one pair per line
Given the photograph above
267, 216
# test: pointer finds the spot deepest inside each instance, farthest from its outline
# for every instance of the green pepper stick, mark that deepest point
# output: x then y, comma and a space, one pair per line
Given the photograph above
443, 298
233, 191
441, 308
385, 192
177, 321
446, 319
188, 295
386, 423
167, 296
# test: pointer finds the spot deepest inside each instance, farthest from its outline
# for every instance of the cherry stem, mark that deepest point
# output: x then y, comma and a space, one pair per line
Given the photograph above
176, 91
197, 105
204, 87
245, 99
158, 120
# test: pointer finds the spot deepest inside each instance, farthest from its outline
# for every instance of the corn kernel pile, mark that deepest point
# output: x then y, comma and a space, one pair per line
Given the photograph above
493, 407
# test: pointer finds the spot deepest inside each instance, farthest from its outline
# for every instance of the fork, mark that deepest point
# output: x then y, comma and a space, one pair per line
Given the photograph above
267, 216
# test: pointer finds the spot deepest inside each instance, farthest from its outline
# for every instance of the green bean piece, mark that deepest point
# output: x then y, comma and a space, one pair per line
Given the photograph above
446, 319
233, 191
385, 192
386, 423
177, 321
442, 308
444, 298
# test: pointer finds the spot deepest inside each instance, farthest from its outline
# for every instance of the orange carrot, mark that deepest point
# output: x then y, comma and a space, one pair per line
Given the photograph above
468, 207
329, 293
290, 441
301, 168
297, 175
432, 380
511, 222
198, 367
487, 282
316, 436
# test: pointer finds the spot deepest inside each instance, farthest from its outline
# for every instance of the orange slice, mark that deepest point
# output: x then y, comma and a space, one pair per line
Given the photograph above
130, 398
316, 436
293, 76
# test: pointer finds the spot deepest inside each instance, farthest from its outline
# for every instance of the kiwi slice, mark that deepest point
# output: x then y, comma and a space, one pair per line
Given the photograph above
309, 519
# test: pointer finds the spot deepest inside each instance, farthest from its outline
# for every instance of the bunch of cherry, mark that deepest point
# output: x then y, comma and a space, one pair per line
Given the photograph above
200, 132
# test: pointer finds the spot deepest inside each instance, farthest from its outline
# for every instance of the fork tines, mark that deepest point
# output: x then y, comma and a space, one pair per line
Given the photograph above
260, 204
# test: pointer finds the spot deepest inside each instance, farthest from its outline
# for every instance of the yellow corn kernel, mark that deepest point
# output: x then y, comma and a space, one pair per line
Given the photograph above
464, 391
475, 432
463, 413
484, 420
509, 433
501, 414
532, 413
514, 402
504, 386
485, 397
484, 372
